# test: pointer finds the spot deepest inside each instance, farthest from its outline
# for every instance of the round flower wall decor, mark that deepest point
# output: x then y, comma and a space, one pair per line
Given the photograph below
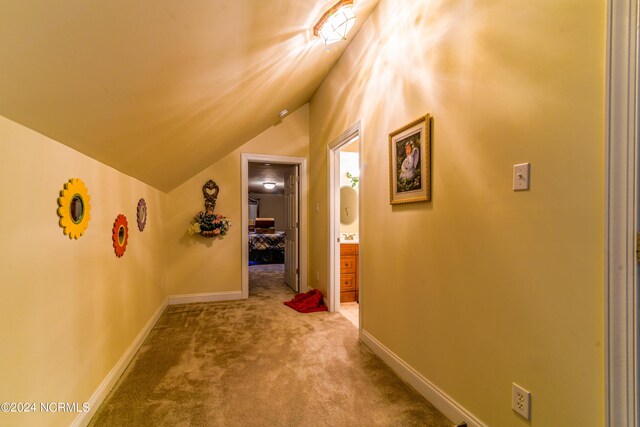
142, 214
120, 235
74, 208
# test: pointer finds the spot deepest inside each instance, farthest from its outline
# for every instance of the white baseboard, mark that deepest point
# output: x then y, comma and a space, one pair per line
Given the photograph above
206, 297
445, 404
105, 387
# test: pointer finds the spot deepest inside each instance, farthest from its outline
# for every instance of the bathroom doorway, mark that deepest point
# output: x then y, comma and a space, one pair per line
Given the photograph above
345, 288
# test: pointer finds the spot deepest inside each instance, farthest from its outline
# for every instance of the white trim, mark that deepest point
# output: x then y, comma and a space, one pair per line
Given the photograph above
445, 404
113, 376
204, 297
621, 385
304, 219
333, 273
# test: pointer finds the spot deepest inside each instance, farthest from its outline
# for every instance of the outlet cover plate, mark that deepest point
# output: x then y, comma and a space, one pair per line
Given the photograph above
521, 401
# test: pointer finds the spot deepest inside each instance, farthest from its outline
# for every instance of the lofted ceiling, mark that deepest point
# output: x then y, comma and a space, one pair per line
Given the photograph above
160, 90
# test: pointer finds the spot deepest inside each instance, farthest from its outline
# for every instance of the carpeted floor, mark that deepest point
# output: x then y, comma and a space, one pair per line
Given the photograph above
259, 363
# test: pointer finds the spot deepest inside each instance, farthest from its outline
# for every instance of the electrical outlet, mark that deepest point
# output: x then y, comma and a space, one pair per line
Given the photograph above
521, 401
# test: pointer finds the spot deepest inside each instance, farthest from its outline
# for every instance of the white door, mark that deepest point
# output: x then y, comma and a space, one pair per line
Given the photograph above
291, 228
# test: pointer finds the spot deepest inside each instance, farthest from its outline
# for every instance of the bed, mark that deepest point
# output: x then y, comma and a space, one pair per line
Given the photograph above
267, 248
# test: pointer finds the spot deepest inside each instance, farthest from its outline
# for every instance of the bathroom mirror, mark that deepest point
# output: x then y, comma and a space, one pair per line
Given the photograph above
348, 205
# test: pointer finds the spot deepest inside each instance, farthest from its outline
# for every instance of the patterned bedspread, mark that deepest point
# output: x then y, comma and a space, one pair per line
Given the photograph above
261, 242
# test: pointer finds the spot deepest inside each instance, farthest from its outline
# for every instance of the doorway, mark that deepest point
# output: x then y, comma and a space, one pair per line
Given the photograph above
345, 278
622, 212
274, 216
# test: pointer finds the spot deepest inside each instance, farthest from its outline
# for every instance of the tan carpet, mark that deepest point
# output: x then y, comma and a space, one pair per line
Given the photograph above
260, 363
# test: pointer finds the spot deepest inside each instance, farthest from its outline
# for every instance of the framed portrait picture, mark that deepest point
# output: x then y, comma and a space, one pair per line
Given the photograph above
410, 162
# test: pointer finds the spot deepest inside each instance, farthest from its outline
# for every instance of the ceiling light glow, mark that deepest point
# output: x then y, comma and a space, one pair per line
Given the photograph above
269, 185
336, 23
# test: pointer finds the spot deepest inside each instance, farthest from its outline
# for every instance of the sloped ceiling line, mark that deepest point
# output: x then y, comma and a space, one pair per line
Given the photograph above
160, 92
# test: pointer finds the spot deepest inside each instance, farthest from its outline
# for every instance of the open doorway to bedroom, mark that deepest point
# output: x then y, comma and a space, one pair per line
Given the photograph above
274, 220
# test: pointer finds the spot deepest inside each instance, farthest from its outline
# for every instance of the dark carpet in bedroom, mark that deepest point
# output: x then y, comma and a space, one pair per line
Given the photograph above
259, 363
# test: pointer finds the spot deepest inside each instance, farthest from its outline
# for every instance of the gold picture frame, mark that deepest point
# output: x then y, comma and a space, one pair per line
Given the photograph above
410, 162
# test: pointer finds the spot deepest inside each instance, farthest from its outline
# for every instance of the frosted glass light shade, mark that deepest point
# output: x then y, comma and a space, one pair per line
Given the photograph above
336, 23
269, 185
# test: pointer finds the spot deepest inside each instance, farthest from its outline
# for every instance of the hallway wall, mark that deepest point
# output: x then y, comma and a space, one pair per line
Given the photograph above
69, 308
201, 265
482, 286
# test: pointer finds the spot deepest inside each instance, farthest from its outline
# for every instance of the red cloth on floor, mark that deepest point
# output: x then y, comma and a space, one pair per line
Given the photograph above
307, 303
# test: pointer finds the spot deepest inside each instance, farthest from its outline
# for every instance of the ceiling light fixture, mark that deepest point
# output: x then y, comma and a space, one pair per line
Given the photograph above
336, 23
269, 185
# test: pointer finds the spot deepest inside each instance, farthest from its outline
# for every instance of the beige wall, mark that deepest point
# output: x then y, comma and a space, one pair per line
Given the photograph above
271, 206
69, 308
201, 265
482, 286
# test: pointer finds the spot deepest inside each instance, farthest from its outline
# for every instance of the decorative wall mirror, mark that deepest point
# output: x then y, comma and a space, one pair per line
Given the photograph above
120, 235
74, 208
348, 205
142, 214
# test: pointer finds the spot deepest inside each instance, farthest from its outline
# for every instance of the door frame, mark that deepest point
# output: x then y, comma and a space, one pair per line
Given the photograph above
621, 199
245, 159
333, 288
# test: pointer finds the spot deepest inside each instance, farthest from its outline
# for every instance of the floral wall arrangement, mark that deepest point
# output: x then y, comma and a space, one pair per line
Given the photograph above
206, 223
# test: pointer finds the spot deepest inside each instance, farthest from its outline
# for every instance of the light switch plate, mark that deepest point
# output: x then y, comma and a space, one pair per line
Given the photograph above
521, 176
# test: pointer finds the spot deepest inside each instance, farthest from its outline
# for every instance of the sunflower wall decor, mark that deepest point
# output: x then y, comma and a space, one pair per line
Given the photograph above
120, 235
142, 214
74, 208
